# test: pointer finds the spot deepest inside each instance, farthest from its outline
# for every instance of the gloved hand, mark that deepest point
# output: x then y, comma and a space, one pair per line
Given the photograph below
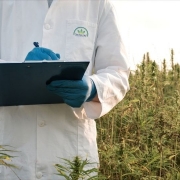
39, 53
74, 92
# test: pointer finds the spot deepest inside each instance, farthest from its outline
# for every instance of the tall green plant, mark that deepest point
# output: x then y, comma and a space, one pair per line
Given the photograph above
77, 170
4, 157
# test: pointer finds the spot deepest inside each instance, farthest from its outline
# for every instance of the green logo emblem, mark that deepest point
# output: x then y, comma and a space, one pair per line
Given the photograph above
81, 32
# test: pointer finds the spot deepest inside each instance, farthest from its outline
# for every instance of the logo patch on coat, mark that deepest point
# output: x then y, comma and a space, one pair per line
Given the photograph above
81, 32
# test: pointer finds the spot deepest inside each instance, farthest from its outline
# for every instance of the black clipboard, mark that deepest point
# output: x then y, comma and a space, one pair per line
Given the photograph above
25, 83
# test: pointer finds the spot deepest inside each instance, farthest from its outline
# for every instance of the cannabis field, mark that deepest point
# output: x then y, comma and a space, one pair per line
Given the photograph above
140, 138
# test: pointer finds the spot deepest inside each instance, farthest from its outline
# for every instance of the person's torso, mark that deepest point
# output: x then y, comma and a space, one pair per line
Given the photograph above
40, 136
67, 27
43, 133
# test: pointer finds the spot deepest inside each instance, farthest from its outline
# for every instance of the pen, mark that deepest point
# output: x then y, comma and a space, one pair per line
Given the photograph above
36, 44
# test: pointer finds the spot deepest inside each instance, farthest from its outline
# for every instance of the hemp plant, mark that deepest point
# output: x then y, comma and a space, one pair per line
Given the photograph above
4, 157
76, 170
140, 138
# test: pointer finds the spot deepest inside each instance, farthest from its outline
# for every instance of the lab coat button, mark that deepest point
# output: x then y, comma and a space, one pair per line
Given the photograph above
39, 175
47, 26
42, 123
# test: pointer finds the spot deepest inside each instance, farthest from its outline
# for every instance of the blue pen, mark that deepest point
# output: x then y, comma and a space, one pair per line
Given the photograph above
36, 44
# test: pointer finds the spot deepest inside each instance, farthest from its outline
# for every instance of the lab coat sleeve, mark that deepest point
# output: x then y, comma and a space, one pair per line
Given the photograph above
111, 68
0, 26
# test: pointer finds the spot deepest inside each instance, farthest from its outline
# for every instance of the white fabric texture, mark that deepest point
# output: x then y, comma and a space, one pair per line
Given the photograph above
43, 134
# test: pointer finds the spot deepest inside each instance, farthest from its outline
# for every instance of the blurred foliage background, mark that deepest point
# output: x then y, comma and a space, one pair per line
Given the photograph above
140, 138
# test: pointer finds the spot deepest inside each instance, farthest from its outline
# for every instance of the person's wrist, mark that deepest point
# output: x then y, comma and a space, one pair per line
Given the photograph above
93, 92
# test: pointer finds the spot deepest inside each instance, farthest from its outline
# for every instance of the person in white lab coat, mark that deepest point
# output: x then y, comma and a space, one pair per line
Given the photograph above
42, 134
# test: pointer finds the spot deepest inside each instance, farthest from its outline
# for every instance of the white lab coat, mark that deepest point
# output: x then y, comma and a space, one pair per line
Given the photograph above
42, 134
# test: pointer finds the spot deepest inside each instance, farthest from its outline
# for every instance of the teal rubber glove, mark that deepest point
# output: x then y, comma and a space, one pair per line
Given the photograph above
74, 92
39, 53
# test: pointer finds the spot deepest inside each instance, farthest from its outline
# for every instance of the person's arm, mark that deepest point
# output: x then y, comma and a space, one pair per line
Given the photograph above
111, 68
